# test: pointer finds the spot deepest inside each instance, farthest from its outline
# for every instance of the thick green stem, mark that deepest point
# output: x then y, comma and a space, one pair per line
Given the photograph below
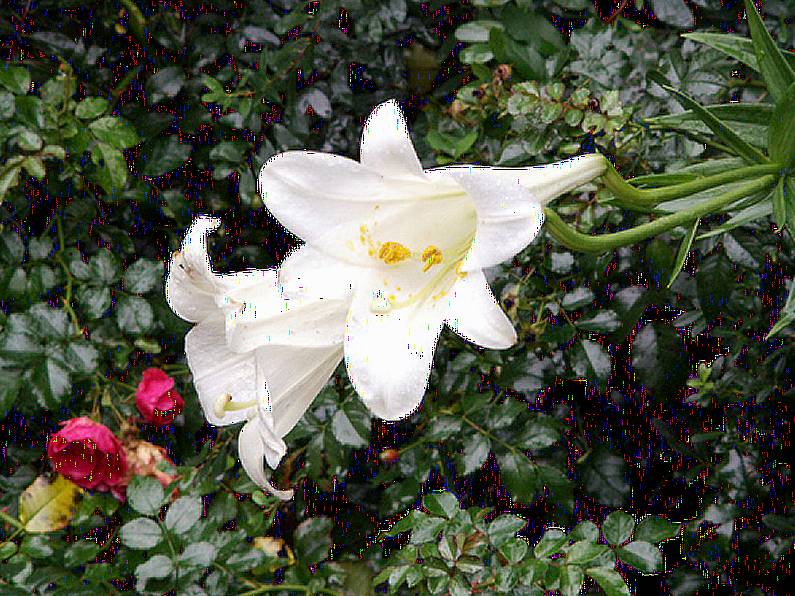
634, 197
574, 240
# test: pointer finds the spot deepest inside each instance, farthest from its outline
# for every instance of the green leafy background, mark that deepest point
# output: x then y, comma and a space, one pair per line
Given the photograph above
634, 438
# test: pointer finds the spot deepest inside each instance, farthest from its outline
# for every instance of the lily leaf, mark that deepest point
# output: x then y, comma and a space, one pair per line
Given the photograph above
739, 48
684, 250
778, 74
781, 143
787, 314
48, 506
720, 129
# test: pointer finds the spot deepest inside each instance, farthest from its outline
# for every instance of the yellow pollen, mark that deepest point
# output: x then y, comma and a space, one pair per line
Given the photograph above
431, 256
393, 252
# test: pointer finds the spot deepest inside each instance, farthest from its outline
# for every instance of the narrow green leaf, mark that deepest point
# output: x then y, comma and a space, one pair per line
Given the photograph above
780, 204
781, 141
786, 316
684, 250
723, 132
739, 48
778, 74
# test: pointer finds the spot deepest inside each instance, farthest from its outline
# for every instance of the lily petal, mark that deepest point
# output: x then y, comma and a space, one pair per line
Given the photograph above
255, 443
549, 181
389, 354
309, 274
190, 288
386, 145
218, 371
475, 315
509, 217
295, 377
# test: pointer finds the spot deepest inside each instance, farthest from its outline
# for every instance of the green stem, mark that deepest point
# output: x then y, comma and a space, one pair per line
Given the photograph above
631, 196
574, 240
291, 588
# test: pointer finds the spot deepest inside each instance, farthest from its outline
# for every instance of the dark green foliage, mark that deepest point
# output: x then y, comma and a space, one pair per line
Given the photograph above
648, 423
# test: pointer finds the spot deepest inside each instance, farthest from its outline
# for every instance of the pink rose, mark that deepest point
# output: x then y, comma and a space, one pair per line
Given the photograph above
88, 454
156, 398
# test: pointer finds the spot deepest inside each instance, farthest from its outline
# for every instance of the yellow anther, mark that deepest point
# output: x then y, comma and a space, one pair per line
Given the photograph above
393, 252
458, 272
431, 256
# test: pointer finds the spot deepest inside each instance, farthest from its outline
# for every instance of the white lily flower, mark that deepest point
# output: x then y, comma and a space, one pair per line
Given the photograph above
254, 355
414, 243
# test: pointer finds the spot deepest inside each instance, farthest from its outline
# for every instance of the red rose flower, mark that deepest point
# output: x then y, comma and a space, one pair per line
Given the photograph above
156, 398
88, 454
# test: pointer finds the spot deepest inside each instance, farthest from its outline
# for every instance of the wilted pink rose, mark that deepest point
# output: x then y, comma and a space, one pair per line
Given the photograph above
143, 459
156, 398
88, 454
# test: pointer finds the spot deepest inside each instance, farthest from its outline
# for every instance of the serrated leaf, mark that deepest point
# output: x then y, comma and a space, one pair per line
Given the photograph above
142, 276
551, 542
134, 315
503, 529
655, 529
183, 514
145, 494
141, 533
603, 476
476, 451
571, 580
618, 527
163, 155
443, 504
198, 554
643, 556
157, 567
519, 475
91, 107
15, 78
610, 581
47, 506
164, 84
115, 132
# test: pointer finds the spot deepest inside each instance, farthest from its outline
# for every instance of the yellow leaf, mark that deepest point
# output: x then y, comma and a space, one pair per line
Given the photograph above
48, 506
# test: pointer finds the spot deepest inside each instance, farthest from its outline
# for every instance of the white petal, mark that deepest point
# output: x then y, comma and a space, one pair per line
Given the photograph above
389, 353
509, 217
345, 210
307, 273
254, 444
386, 144
190, 287
475, 315
294, 377
298, 323
549, 181
218, 371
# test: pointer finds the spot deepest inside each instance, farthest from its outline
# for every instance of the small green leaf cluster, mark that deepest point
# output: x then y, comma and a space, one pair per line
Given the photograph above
456, 551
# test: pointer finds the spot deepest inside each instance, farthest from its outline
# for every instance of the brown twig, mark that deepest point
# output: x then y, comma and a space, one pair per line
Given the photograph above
617, 12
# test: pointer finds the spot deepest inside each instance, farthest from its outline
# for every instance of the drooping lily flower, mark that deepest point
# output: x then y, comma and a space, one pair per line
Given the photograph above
284, 350
413, 242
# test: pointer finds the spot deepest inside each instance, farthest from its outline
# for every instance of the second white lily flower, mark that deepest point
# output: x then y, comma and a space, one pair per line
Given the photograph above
408, 247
